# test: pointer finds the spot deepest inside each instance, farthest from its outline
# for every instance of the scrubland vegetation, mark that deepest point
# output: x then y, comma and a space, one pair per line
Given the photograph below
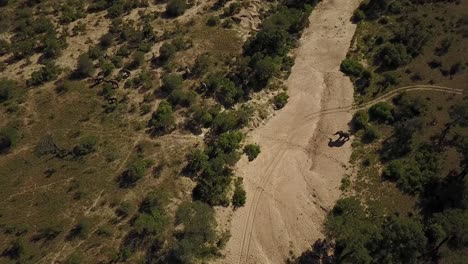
121, 122
406, 202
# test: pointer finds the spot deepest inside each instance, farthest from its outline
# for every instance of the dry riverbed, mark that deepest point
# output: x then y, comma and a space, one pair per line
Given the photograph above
295, 180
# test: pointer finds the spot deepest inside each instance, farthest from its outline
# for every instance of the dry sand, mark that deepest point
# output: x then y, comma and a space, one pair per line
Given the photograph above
296, 178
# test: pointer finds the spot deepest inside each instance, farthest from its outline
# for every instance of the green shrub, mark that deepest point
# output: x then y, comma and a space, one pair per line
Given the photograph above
135, 171
166, 52
252, 151
239, 196
171, 82
382, 112
393, 56
162, 121
360, 120
280, 100
7, 88
47, 73
213, 21
370, 134
176, 8
351, 67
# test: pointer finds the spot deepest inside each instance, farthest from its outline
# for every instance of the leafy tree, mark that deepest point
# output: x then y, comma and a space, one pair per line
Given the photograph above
23, 48
176, 8
162, 121
47, 73
351, 67
166, 52
265, 68
370, 134
239, 196
197, 161
252, 151
360, 120
135, 171
381, 112
403, 241
198, 238
171, 82
393, 56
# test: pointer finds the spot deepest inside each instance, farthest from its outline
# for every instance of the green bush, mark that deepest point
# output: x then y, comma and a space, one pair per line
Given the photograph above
252, 151
197, 239
171, 82
382, 112
370, 134
135, 171
162, 121
360, 120
166, 52
280, 100
393, 56
176, 8
7, 88
239, 197
351, 67
213, 21
47, 73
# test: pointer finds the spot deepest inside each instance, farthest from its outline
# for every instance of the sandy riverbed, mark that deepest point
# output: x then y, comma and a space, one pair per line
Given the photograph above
296, 178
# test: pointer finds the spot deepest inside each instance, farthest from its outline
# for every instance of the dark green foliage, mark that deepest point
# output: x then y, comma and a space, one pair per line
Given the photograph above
360, 120
176, 8
162, 121
106, 40
381, 112
8, 138
197, 239
171, 82
252, 151
47, 73
280, 100
393, 56
370, 134
265, 68
166, 52
239, 196
224, 89
183, 97
365, 235
71, 11
351, 67
23, 48
7, 88
18, 250
135, 171
230, 120
138, 58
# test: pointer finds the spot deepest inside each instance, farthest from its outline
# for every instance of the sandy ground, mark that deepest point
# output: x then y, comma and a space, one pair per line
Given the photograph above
296, 178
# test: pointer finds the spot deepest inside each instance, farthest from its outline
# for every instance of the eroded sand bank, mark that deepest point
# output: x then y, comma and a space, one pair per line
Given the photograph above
297, 176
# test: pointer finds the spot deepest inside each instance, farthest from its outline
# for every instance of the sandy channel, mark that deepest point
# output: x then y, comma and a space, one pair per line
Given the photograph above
296, 178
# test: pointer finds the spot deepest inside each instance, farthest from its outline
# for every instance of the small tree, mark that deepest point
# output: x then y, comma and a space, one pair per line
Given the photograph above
171, 82
382, 112
351, 67
176, 8
239, 197
162, 121
252, 151
360, 120
166, 52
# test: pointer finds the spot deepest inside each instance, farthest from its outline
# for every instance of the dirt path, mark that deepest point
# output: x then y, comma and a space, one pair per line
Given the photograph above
296, 178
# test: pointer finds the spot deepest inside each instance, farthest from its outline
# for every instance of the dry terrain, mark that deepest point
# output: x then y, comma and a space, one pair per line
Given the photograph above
296, 179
